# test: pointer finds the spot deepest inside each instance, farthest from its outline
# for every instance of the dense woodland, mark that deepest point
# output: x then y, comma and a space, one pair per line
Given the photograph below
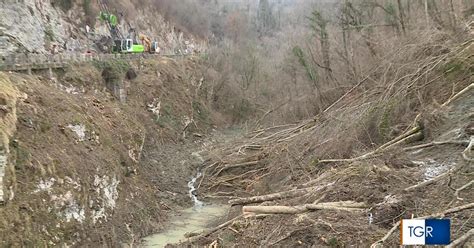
292, 59
286, 60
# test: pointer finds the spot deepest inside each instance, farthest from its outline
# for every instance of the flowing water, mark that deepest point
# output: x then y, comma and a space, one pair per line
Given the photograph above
193, 192
189, 220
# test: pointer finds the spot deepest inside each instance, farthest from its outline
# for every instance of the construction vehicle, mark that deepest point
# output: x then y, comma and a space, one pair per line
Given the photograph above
111, 19
150, 46
127, 46
120, 43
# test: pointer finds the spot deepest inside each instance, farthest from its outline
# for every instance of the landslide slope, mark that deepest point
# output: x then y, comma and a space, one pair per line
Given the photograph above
83, 167
396, 145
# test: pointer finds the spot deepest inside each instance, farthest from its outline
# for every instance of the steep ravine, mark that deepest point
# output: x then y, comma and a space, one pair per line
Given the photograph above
192, 219
84, 168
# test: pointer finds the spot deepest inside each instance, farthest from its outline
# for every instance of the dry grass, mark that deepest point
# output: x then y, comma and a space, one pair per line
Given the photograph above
410, 83
8, 101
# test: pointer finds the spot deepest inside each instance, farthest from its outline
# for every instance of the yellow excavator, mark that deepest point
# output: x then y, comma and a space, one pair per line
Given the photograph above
150, 46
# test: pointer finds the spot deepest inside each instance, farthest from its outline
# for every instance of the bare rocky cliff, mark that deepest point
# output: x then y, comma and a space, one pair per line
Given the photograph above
37, 26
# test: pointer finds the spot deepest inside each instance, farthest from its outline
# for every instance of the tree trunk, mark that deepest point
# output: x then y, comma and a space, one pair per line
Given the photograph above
408, 11
452, 14
274, 196
400, 16
344, 206
427, 15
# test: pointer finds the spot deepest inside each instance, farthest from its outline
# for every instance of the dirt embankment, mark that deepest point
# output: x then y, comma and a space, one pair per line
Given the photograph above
87, 168
348, 175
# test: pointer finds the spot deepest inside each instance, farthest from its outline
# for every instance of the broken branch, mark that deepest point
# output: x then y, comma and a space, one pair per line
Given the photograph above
467, 152
461, 240
210, 231
465, 186
450, 100
414, 132
436, 143
235, 166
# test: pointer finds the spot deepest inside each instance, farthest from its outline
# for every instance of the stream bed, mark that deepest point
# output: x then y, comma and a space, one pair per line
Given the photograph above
190, 220
193, 219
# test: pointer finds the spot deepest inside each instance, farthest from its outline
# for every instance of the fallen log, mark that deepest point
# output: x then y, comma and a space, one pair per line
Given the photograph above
274, 209
466, 154
274, 196
228, 167
194, 237
403, 136
436, 143
465, 186
461, 240
433, 180
460, 93
344, 206
413, 133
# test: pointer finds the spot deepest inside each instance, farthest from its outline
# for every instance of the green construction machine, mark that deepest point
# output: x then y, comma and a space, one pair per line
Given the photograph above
120, 44
127, 46
111, 19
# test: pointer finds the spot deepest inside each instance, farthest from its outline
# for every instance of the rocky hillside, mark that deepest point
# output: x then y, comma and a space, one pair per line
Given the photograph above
81, 165
73, 26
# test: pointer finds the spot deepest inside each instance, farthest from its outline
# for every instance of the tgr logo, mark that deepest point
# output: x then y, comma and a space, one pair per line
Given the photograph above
425, 232
418, 231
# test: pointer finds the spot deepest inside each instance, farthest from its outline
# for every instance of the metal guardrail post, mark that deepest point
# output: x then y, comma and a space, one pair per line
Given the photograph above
31, 62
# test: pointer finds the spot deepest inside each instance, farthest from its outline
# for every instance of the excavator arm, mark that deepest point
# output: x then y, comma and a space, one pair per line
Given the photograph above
146, 42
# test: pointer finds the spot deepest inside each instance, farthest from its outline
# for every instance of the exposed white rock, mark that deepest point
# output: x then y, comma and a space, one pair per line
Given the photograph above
3, 164
432, 168
68, 206
70, 89
155, 107
72, 182
106, 196
45, 185
80, 131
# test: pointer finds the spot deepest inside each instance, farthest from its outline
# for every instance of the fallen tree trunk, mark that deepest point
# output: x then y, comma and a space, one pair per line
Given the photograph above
465, 186
461, 240
460, 93
344, 206
466, 154
274, 209
415, 132
274, 196
436, 143
194, 237
405, 135
228, 167
433, 180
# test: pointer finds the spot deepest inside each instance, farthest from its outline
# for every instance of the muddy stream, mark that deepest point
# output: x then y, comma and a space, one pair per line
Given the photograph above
193, 219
